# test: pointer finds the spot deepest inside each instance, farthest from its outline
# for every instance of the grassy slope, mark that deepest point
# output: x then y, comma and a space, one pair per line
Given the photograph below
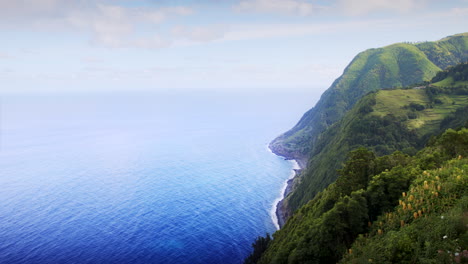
428, 120
450, 82
447, 50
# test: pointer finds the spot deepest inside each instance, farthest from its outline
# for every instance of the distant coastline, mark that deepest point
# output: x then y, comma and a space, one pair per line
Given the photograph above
278, 212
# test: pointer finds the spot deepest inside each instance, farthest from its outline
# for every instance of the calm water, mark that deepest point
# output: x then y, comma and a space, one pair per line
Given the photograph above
139, 179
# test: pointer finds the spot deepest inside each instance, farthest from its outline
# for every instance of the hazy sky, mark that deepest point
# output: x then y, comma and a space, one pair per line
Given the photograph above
112, 45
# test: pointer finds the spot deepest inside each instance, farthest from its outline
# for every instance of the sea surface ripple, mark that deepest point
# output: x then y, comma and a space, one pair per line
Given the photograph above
137, 179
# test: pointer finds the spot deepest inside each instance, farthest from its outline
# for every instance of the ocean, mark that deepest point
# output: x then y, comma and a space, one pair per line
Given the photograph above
141, 177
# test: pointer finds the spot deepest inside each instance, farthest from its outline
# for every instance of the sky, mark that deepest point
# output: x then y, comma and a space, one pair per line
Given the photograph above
61, 46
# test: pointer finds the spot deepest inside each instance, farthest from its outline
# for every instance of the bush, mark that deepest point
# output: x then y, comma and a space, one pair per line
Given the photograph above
417, 107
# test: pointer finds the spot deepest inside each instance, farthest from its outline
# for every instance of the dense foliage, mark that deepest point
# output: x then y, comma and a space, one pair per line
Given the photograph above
458, 73
259, 246
377, 209
437, 201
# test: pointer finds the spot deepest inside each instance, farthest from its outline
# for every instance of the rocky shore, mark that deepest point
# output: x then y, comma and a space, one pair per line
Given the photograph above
282, 213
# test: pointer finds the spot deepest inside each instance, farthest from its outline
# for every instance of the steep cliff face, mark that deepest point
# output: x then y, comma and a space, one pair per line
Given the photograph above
396, 65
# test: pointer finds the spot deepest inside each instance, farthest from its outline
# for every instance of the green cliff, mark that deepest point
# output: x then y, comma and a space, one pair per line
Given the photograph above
318, 138
396, 65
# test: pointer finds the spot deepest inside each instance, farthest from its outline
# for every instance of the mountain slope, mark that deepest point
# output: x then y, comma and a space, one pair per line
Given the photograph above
396, 65
384, 121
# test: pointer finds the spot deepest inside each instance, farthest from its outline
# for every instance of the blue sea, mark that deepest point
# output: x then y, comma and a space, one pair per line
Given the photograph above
141, 177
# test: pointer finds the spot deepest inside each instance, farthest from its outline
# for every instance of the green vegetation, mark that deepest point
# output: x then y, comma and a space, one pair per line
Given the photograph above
446, 51
369, 195
379, 210
377, 177
328, 131
259, 246
396, 65
451, 82
456, 76
383, 121
437, 201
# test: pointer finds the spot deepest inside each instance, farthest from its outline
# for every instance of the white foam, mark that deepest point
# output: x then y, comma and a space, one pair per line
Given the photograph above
273, 215
269, 149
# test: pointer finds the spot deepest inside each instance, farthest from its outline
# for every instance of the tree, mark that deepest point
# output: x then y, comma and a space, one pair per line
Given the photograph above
356, 171
259, 246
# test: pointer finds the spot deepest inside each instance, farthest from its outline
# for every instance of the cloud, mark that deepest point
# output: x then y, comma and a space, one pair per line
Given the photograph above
116, 26
254, 31
5, 56
459, 11
152, 42
243, 32
363, 7
200, 34
284, 7
109, 25
92, 60
21, 8
30, 13
105, 22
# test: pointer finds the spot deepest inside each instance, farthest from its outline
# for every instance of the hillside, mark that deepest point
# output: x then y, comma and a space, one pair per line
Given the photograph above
363, 164
397, 65
455, 76
384, 121
437, 200
379, 209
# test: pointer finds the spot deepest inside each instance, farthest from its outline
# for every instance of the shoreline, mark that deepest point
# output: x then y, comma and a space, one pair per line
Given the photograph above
278, 212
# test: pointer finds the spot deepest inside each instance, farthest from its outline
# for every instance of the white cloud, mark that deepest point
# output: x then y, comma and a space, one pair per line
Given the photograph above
285, 7
92, 60
161, 14
27, 7
5, 56
243, 32
460, 11
152, 42
116, 26
200, 34
30, 13
363, 7
246, 32
107, 24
